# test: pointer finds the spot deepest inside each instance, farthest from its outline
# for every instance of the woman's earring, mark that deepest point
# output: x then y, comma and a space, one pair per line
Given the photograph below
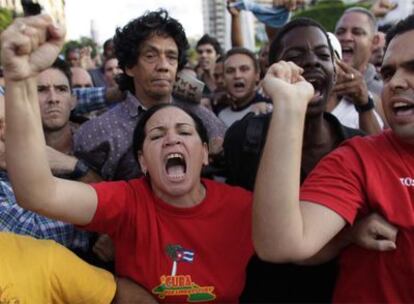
145, 172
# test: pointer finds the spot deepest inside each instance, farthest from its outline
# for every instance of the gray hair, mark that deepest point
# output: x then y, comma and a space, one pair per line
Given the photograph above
357, 9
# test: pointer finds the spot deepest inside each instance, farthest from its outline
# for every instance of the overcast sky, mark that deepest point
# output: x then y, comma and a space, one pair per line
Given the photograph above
108, 14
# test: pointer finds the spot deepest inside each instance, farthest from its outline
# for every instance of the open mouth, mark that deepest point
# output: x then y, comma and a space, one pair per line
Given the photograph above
347, 51
317, 84
403, 109
175, 166
204, 62
239, 85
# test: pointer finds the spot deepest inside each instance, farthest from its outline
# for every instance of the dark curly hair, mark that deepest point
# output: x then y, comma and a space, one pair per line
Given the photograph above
139, 132
128, 41
207, 39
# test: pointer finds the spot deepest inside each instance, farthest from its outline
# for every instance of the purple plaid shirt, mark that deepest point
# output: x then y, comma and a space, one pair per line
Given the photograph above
105, 142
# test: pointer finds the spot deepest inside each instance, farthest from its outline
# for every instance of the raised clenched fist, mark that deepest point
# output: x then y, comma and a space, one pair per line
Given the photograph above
30, 45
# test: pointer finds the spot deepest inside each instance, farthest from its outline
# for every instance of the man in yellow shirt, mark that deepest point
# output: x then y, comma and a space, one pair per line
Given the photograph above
39, 272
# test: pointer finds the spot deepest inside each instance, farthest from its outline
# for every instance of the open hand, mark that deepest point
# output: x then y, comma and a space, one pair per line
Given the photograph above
351, 83
261, 107
86, 60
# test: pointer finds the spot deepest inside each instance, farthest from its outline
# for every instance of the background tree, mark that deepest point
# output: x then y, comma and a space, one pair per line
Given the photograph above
6, 17
328, 12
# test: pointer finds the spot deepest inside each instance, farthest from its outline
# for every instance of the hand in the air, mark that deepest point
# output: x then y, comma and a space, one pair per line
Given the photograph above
30, 45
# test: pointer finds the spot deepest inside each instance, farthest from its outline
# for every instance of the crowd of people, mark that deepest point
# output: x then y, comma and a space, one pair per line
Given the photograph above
282, 176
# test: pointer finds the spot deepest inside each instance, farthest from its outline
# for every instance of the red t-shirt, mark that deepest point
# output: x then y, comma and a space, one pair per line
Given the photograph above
365, 175
178, 254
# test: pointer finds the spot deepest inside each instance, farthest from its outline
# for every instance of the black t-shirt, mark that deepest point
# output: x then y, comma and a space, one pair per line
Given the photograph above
268, 282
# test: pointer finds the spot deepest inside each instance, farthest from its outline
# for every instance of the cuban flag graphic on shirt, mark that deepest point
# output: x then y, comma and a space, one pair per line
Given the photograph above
185, 255
178, 254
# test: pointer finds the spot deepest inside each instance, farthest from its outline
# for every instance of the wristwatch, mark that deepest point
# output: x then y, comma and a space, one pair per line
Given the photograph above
366, 107
81, 168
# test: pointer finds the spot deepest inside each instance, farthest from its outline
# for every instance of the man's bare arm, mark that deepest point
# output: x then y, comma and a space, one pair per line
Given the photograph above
372, 232
236, 30
65, 166
285, 229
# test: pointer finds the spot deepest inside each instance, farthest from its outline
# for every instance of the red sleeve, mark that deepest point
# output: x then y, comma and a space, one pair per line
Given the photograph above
112, 211
337, 183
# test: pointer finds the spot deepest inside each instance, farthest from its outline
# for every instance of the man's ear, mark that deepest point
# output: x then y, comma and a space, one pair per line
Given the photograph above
129, 71
375, 41
142, 162
257, 76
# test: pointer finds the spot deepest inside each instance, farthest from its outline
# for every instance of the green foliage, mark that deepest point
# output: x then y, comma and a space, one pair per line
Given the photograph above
192, 53
172, 251
192, 56
82, 42
327, 13
86, 41
71, 44
6, 17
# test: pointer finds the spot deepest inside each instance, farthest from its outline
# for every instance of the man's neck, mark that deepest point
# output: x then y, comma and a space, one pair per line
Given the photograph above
318, 134
363, 67
148, 101
333, 101
60, 140
237, 104
318, 140
208, 78
208, 72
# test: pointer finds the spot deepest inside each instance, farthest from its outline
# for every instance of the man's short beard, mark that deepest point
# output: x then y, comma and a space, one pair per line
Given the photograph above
54, 128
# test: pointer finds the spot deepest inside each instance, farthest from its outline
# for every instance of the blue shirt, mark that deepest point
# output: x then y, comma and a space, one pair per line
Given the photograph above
14, 218
89, 99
